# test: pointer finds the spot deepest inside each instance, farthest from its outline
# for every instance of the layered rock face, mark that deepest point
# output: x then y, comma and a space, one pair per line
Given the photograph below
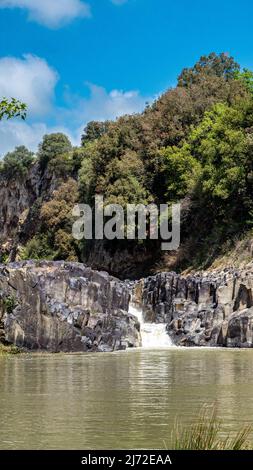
16, 197
57, 306
20, 199
202, 310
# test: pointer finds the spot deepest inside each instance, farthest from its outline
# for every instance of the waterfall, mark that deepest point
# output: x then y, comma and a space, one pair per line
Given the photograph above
153, 335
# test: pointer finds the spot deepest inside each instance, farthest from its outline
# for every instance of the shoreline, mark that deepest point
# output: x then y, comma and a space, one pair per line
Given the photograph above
12, 350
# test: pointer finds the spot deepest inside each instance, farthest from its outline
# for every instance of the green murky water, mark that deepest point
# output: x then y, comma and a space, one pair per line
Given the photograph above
122, 400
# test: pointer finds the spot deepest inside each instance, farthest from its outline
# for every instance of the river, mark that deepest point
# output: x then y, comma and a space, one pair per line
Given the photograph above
122, 400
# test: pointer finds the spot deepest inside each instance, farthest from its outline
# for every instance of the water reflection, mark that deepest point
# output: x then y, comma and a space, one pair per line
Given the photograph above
123, 400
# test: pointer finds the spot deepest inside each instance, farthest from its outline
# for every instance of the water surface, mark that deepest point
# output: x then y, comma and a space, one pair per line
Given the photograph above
121, 400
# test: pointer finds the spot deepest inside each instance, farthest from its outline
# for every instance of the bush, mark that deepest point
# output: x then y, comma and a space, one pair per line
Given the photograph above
6, 350
10, 304
204, 434
38, 248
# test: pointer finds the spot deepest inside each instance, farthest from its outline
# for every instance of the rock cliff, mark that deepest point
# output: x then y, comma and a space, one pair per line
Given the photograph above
58, 306
207, 309
20, 202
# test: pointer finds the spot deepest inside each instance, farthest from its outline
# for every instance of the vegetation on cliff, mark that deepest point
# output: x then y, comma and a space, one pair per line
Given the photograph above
194, 144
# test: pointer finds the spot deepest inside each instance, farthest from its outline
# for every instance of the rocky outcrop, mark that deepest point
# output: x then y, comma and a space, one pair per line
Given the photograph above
207, 309
57, 306
20, 200
16, 198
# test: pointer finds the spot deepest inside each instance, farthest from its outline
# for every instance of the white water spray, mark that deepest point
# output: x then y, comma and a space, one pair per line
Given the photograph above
153, 335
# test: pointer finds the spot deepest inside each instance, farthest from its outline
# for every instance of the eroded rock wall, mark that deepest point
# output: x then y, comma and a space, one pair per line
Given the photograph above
20, 201
206, 309
57, 306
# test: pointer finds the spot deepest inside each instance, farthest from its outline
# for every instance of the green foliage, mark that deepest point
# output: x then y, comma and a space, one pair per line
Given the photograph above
10, 304
246, 77
7, 350
182, 171
221, 200
123, 181
38, 248
219, 143
87, 174
4, 258
10, 108
57, 211
56, 215
77, 156
67, 247
205, 434
16, 164
61, 165
193, 144
93, 131
53, 147
215, 160
220, 65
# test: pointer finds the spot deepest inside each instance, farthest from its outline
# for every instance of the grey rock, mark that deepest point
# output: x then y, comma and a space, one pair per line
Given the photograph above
205, 309
58, 306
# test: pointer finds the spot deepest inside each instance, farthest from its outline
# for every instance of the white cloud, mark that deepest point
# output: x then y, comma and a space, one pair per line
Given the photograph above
102, 105
29, 79
51, 13
15, 133
33, 81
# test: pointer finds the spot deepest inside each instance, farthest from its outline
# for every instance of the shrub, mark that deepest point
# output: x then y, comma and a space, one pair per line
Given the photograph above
10, 304
204, 434
38, 248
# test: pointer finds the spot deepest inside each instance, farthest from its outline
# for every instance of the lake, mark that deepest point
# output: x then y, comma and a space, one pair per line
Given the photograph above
125, 400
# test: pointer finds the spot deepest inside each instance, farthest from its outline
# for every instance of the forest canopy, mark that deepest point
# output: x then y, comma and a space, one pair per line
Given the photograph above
194, 144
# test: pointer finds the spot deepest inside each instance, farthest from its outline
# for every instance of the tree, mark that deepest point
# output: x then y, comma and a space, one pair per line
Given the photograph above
219, 143
219, 65
246, 77
181, 171
94, 130
53, 146
56, 215
193, 144
87, 176
123, 182
10, 108
17, 163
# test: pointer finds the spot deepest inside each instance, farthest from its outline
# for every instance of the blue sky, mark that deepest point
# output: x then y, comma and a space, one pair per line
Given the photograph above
73, 61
